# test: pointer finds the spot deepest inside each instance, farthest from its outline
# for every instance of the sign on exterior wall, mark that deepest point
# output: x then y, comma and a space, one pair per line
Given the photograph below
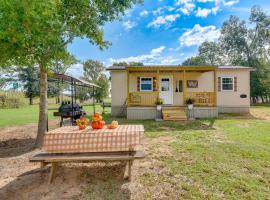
192, 84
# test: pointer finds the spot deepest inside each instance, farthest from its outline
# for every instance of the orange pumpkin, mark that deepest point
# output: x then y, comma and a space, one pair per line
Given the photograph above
98, 124
97, 114
96, 118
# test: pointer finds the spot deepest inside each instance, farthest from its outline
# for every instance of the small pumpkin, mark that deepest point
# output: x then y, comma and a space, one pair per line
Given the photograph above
97, 118
98, 124
97, 114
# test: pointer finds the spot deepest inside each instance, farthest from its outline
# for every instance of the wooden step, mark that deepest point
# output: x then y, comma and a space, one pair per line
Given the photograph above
174, 114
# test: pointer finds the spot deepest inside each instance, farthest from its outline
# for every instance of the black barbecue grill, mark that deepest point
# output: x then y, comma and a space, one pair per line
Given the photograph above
65, 111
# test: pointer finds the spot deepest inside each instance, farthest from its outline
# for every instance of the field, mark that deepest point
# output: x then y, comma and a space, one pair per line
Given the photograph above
223, 158
29, 114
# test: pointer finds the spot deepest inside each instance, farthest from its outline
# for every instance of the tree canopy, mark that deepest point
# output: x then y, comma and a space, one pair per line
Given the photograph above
92, 70
38, 32
240, 44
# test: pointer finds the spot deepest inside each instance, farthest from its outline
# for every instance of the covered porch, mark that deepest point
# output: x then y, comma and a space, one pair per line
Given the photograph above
174, 84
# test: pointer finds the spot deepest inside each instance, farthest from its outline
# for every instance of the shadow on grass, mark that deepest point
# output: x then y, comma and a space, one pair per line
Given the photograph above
73, 181
16, 147
152, 126
227, 116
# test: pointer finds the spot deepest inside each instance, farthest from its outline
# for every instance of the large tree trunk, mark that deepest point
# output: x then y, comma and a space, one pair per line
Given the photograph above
43, 106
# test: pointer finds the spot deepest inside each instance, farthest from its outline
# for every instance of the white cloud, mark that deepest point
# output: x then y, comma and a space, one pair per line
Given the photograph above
187, 6
163, 20
144, 13
170, 8
198, 34
206, 1
204, 12
129, 24
75, 70
157, 11
230, 3
153, 57
158, 50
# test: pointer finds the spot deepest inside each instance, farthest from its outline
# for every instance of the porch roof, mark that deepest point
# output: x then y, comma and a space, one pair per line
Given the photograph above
162, 67
176, 67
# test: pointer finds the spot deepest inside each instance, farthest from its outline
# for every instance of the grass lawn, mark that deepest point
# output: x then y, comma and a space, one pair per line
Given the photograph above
223, 158
29, 114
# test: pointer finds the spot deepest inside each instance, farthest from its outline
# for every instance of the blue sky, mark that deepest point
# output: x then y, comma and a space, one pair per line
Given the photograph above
162, 32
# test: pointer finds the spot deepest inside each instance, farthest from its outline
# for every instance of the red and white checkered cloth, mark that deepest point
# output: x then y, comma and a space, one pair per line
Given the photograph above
70, 139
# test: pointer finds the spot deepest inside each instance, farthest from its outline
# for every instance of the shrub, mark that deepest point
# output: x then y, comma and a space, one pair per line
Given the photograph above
11, 99
190, 101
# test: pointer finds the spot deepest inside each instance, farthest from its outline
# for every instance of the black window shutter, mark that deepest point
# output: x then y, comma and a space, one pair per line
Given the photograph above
138, 83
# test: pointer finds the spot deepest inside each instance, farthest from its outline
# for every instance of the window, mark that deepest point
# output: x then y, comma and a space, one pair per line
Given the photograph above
146, 84
165, 84
227, 83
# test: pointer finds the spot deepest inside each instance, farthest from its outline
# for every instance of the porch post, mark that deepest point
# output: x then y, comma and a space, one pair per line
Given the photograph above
215, 87
127, 87
157, 84
184, 86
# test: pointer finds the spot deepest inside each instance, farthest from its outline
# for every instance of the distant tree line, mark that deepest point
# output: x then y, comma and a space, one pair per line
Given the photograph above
242, 44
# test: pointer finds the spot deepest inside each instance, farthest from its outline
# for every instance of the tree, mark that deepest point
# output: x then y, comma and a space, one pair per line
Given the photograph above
38, 32
92, 69
29, 77
195, 60
126, 64
210, 53
248, 47
102, 92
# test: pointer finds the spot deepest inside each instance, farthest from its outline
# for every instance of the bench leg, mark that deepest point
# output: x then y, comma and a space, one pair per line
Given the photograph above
53, 171
130, 162
43, 164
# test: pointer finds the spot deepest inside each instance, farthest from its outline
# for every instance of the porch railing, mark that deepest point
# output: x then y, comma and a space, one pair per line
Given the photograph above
202, 98
142, 98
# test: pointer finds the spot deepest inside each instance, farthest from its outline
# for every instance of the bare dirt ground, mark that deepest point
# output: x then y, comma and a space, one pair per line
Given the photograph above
20, 179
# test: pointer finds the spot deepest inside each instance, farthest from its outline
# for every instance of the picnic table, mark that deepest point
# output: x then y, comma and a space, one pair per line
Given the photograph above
69, 144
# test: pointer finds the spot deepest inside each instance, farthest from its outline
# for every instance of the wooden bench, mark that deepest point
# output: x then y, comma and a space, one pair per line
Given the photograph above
55, 158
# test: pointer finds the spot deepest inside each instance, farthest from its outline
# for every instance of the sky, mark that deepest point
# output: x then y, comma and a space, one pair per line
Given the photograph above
162, 32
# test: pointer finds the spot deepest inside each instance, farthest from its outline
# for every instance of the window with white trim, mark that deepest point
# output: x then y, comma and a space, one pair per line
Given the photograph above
146, 84
227, 83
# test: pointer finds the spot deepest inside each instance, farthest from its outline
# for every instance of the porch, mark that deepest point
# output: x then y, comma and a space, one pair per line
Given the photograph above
175, 84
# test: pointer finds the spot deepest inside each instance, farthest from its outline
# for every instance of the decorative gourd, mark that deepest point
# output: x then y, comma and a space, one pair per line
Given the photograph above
113, 125
98, 124
82, 123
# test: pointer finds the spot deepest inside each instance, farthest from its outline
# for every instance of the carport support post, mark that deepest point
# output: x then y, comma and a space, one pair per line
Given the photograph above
72, 93
94, 106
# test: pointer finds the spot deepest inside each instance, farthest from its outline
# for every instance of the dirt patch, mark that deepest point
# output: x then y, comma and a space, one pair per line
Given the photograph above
22, 179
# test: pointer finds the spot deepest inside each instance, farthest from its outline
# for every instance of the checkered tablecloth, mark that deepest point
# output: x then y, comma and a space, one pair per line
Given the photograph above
70, 139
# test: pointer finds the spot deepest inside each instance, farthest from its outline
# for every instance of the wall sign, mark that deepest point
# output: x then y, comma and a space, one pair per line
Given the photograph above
192, 84
243, 96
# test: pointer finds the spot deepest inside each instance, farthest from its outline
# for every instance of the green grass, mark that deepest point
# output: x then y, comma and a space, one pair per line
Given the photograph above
29, 114
223, 158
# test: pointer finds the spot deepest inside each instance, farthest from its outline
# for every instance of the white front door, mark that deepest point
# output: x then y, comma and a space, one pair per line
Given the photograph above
166, 89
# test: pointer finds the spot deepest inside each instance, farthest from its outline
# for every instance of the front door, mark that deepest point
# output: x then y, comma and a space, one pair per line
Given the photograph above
166, 89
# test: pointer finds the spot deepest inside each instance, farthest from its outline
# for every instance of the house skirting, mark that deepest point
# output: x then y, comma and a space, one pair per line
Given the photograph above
141, 113
119, 111
233, 109
197, 112
202, 112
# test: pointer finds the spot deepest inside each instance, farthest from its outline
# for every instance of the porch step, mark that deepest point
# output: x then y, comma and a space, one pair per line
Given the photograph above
177, 114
